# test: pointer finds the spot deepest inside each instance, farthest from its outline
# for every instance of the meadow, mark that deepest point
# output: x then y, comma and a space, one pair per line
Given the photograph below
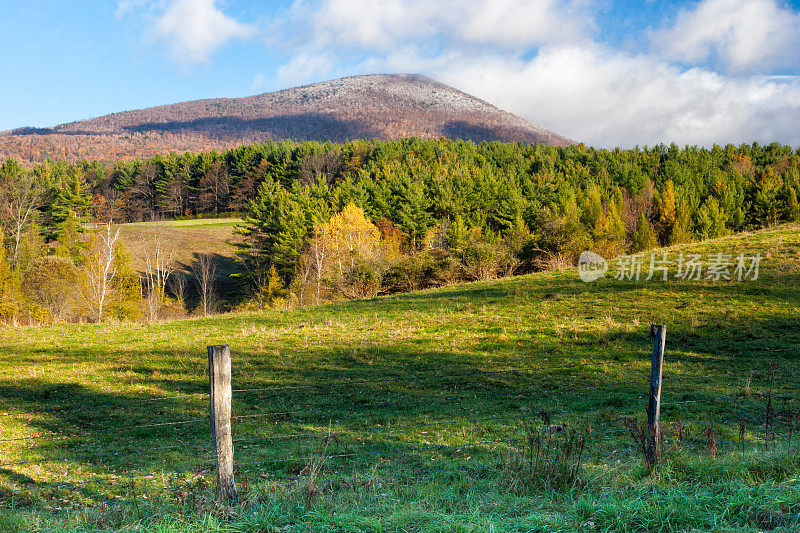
414, 412
186, 240
186, 237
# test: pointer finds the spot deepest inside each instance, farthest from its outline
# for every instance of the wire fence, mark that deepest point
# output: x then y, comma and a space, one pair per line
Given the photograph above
746, 418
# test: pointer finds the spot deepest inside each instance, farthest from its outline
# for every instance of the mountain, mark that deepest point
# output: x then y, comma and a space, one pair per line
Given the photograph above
384, 106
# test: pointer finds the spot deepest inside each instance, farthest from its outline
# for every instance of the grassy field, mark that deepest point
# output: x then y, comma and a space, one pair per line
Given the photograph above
188, 238
408, 413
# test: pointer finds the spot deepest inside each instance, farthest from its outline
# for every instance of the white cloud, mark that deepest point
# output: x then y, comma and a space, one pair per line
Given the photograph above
195, 28
191, 29
514, 23
570, 84
304, 67
609, 98
745, 35
126, 6
379, 25
257, 84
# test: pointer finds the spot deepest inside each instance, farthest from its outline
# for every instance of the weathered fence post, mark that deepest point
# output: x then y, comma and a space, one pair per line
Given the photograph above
659, 334
219, 377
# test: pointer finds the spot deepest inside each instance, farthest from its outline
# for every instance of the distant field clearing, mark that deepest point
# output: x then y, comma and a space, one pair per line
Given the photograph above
190, 223
186, 237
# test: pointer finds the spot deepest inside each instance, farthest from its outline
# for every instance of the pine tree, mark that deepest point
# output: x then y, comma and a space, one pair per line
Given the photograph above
681, 230
615, 222
711, 220
410, 212
793, 209
457, 235
73, 200
645, 238
275, 228
764, 208
592, 207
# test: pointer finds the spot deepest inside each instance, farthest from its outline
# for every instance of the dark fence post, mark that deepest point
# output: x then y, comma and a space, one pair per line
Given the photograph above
219, 376
659, 334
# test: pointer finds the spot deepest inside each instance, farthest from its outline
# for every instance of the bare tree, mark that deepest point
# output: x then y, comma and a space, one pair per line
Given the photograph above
177, 285
214, 188
142, 196
257, 268
636, 205
205, 271
100, 270
318, 256
327, 164
21, 194
159, 266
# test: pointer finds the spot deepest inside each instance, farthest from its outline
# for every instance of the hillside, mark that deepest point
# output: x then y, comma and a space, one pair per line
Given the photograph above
374, 106
186, 237
406, 413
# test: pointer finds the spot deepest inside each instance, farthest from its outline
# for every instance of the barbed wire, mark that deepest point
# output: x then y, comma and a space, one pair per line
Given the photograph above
608, 458
572, 412
561, 414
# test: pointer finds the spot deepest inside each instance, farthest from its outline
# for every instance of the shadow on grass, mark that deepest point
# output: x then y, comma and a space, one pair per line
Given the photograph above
386, 383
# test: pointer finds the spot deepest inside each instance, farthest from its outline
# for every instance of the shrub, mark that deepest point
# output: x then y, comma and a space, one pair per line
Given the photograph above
549, 457
52, 283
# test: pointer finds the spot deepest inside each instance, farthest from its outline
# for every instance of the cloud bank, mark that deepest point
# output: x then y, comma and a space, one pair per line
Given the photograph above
743, 35
714, 71
705, 78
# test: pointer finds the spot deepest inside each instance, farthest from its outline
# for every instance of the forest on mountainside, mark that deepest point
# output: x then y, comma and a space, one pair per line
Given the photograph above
325, 221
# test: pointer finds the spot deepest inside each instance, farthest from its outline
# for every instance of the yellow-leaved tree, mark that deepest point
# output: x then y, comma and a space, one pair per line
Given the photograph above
344, 258
8, 303
353, 239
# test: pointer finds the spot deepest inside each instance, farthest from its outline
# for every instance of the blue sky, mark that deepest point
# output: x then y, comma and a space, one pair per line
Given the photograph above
608, 72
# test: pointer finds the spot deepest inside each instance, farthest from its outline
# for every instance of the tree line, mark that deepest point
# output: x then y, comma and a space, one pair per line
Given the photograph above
325, 221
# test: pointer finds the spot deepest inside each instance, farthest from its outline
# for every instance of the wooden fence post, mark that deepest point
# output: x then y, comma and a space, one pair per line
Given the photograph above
659, 334
219, 377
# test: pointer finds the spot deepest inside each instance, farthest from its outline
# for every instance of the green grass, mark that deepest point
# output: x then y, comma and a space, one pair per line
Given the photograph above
396, 390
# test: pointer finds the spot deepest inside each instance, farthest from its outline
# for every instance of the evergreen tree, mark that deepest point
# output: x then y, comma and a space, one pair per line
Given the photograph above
615, 223
592, 207
710, 220
645, 238
72, 205
410, 211
457, 235
793, 208
682, 229
764, 192
275, 227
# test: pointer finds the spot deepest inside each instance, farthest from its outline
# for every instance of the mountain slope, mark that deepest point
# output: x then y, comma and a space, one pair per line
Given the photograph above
374, 106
